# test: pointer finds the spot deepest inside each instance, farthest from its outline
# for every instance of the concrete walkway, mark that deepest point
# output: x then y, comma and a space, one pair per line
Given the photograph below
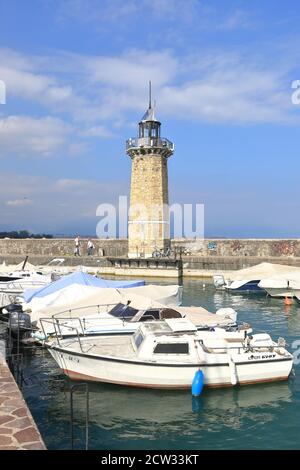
18, 430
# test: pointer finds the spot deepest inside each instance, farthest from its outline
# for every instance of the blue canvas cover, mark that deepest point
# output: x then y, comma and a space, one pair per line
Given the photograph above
78, 277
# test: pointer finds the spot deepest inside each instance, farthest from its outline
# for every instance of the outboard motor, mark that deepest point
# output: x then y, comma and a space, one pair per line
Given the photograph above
19, 321
14, 308
228, 313
8, 309
219, 281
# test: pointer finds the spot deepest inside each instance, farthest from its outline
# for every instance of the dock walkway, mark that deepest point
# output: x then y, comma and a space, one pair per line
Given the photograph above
18, 430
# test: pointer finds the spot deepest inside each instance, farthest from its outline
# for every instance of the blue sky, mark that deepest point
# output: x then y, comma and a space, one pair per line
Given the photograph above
76, 74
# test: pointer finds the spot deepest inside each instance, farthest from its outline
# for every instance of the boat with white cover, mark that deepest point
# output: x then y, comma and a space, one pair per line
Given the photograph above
78, 296
20, 281
249, 280
287, 285
167, 354
125, 318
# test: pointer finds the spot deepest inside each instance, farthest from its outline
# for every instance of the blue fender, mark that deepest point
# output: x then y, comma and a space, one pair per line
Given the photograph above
198, 383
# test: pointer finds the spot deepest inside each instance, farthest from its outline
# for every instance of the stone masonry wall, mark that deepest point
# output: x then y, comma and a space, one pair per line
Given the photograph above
61, 247
208, 248
149, 186
264, 248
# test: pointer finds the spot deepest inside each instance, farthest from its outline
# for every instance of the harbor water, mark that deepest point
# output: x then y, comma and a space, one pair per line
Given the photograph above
263, 416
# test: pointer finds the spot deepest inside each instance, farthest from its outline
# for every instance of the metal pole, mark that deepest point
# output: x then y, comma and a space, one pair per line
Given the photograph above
18, 334
87, 415
87, 418
72, 417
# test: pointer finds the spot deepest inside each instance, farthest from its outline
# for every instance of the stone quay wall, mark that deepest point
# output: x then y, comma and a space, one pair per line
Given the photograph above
200, 258
60, 247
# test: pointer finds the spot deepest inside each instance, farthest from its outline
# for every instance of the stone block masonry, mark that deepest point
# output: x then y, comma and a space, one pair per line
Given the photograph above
241, 248
149, 187
200, 257
61, 247
18, 430
211, 248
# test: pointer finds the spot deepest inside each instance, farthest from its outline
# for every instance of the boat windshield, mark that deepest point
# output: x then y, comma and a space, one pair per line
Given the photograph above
171, 348
123, 311
138, 339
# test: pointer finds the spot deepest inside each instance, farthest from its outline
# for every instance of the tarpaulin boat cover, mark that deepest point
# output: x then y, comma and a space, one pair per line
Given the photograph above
290, 279
80, 278
80, 300
261, 271
17, 267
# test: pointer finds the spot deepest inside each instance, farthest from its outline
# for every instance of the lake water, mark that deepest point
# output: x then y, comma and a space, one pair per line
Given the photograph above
251, 417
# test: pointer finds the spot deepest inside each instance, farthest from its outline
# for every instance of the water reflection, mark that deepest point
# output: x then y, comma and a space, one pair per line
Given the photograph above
141, 413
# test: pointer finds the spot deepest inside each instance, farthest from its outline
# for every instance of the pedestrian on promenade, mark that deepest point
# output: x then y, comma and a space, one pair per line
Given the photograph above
77, 246
90, 247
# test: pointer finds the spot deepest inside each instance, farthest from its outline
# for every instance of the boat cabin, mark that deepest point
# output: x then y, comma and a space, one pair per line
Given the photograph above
177, 337
173, 338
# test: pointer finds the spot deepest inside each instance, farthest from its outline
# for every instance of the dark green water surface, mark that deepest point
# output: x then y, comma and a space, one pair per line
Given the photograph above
252, 417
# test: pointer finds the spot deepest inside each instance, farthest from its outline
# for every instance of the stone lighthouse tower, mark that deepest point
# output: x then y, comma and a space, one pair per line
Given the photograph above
148, 224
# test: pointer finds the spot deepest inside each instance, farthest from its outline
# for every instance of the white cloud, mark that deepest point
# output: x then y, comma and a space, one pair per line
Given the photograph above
54, 205
92, 95
98, 131
25, 78
19, 202
22, 135
248, 97
132, 69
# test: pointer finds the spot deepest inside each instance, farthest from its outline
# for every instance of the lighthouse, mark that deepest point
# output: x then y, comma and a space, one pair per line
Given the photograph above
148, 221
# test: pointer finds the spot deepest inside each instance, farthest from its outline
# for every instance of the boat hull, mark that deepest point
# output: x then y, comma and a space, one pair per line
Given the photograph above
250, 287
279, 292
81, 366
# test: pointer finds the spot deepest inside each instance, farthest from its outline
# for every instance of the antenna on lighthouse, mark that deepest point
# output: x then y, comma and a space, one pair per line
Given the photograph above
150, 97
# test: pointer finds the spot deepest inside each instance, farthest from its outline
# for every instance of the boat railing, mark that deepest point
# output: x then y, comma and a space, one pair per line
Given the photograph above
242, 348
105, 308
19, 284
57, 329
58, 321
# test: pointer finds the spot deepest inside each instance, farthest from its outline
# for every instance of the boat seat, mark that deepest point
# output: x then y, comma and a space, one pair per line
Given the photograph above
169, 313
261, 340
230, 336
216, 346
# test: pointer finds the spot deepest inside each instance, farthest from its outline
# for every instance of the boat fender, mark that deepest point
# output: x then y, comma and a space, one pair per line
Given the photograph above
288, 300
198, 383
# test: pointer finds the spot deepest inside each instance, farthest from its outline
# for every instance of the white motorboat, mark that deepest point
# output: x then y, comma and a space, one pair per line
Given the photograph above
249, 280
282, 286
22, 280
24, 276
167, 354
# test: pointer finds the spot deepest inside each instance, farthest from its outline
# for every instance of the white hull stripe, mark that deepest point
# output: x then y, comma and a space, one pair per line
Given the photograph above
161, 364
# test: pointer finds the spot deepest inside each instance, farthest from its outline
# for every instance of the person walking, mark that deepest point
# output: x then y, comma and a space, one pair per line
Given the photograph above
90, 247
77, 246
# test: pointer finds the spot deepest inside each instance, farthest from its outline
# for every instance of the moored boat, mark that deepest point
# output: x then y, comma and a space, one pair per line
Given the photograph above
281, 286
125, 318
167, 354
252, 279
